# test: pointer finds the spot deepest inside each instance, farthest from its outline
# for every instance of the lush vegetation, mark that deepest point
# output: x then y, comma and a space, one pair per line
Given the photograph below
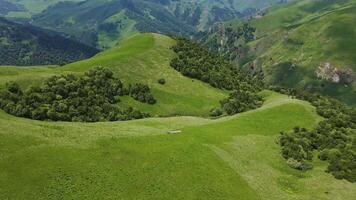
196, 62
88, 98
27, 45
241, 101
334, 138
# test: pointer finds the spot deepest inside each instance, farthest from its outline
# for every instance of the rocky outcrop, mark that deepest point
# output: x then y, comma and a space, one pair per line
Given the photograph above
327, 71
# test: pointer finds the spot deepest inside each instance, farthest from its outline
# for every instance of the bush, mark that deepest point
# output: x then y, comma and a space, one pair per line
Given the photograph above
161, 81
142, 93
299, 165
241, 101
216, 112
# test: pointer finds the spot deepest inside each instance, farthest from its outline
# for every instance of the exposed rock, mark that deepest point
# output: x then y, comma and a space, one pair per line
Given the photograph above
327, 71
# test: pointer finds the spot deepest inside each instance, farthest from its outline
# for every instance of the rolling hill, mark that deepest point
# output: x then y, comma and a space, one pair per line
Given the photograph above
308, 45
27, 45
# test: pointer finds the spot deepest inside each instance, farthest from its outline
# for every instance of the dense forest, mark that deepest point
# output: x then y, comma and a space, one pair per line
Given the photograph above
199, 63
27, 45
334, 138
88, 98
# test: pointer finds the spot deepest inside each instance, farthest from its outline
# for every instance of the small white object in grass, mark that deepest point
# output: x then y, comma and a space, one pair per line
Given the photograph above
174, 132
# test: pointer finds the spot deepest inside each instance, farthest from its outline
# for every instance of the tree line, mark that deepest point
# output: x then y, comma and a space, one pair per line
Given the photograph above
196, 62
334, 138
89, 98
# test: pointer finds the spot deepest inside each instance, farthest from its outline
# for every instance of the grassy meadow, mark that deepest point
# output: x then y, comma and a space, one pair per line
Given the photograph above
235, 157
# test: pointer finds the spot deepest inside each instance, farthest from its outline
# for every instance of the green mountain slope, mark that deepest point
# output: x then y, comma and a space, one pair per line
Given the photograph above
227, 158
308, 44
27, 45
7, 7
103, 23
325, 35
143, 58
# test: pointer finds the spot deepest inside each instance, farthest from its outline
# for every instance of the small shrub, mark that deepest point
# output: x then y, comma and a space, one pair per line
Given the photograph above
216, 112
161, 81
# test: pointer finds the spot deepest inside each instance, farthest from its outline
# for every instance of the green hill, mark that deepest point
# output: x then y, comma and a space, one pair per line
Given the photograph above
28, 45
229, 158
143, 58
308, 45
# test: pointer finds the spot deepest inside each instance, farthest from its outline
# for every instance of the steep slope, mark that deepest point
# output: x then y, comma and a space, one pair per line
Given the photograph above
26, 45
308, 44
227, 158
143, 58
109, 21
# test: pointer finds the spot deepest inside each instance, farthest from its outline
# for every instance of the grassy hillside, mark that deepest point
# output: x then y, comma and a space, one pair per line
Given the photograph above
229, 158
292, 41
143, 58
314, 32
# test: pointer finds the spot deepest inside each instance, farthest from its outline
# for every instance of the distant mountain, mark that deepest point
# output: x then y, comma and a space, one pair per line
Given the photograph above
309, 44
7, 6
27, 45
102, 23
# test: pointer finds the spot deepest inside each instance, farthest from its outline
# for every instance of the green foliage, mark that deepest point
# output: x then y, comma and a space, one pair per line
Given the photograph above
196, 62
88, 98
142, 93
216, 112
334, 138
162, 81
241, 101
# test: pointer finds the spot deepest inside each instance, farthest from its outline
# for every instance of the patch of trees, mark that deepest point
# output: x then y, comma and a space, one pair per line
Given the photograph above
241, 101
142, 93
89, 98
26, 45
334, 138
199, 63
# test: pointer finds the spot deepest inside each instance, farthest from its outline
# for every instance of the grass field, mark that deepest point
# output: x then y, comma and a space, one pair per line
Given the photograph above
143, 58
234, 157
